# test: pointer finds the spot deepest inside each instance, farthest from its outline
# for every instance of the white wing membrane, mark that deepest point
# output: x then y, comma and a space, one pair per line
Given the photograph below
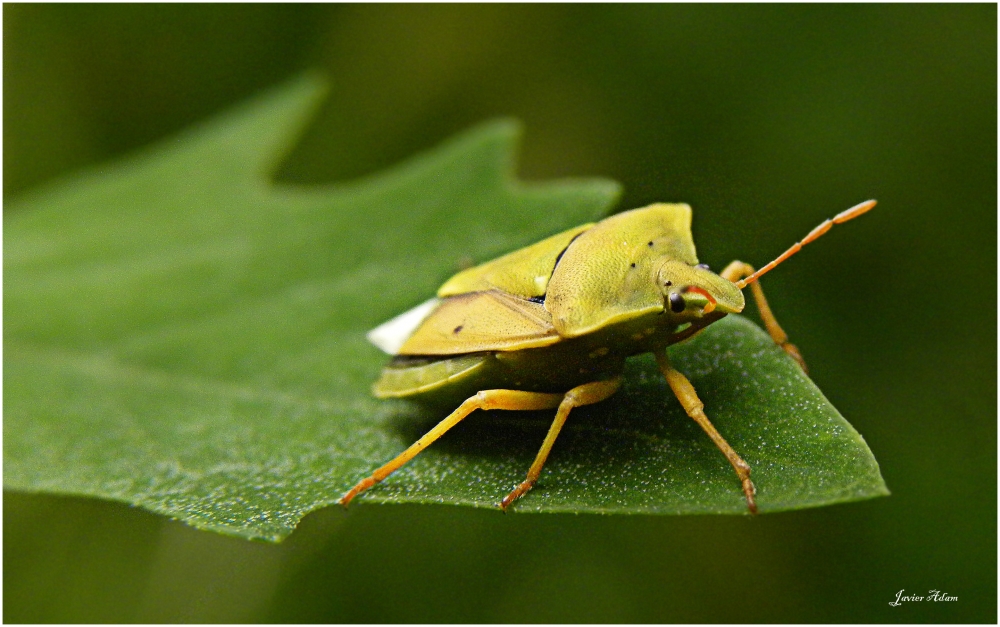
391, 335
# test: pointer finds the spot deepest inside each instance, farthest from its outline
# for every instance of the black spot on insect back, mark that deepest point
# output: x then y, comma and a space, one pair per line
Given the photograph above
457, 329
633, 265
677, 303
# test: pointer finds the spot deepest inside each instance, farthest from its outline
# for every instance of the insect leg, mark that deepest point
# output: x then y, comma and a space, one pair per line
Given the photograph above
695, 408
586, 394
738, 270
487, 399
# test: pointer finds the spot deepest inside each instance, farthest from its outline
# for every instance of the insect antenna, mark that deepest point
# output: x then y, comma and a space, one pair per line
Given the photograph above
815, 234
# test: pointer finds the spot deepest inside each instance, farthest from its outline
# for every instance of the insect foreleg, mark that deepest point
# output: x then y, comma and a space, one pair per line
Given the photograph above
738, 270
586, 394
689, 400
487, 399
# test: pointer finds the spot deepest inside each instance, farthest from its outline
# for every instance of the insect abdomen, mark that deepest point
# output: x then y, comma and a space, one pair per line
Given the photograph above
406, 377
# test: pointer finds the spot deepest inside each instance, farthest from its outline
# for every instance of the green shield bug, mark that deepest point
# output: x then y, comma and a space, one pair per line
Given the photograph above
550, 326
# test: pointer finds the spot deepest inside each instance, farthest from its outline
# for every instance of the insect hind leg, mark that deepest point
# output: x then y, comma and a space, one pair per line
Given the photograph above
486, 399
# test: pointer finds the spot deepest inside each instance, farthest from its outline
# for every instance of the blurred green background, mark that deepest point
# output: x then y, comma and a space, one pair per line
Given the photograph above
767, 119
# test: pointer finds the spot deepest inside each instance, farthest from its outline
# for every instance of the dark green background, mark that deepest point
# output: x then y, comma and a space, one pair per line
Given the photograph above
766, 119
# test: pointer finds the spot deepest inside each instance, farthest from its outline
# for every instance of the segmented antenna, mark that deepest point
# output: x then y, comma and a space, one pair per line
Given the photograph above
815, 234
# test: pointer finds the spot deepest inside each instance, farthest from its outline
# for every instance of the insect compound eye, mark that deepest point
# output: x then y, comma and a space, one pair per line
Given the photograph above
677, 303
702, 266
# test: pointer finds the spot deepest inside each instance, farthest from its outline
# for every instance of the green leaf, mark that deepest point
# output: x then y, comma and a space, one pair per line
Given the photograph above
183, 335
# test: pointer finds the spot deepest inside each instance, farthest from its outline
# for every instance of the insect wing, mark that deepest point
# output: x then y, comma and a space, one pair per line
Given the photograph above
482, 321
392, 334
